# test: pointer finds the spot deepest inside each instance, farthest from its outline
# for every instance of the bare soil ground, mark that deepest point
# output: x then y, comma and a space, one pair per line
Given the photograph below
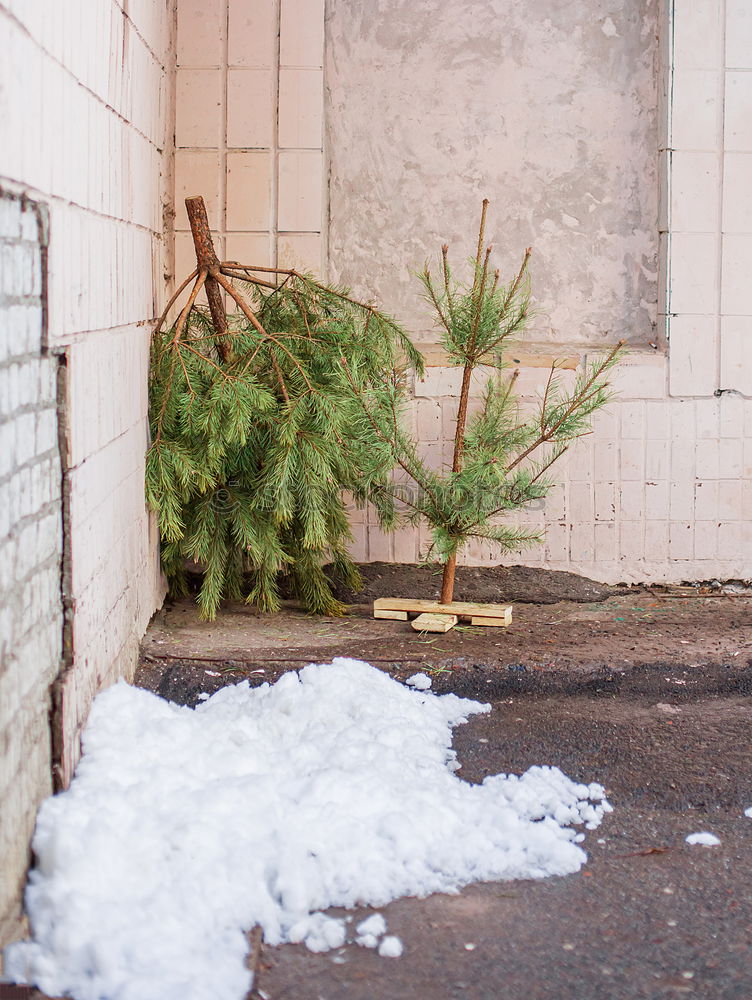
644, 639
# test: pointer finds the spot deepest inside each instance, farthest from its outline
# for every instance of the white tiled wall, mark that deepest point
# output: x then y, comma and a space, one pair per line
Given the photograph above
708, 218
662, 490
86, 107
249, 129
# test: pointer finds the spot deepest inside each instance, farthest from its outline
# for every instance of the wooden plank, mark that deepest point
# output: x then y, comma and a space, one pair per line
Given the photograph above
463, 609
395, 616
433, 623
492, 622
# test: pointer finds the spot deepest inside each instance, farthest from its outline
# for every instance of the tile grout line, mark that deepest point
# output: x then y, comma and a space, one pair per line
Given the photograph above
222, 221
721, 125
274, 207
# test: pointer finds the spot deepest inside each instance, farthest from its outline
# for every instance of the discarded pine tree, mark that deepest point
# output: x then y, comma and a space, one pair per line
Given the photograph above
256, 431
501, 457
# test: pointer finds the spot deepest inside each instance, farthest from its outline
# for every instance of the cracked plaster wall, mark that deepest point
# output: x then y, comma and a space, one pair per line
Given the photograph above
549, 109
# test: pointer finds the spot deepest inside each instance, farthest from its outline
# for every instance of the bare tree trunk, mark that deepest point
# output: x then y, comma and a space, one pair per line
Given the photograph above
207, 261
450, 566
447, 581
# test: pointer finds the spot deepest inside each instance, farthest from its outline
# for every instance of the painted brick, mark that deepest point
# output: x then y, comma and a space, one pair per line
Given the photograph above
604, 501
198, 101
656, 501
250, 108
606, 543
302, 251
632, 459
631, 500
557, 543
730, 458
429, 420
302, 33
199, 36
248, 191
300, 191
657, 460
706, 540
581, 501
707, 463
252, 37
656, 540
729, 540
301, 108
730, 500
681, 540
681, 499
631, 543
706, 500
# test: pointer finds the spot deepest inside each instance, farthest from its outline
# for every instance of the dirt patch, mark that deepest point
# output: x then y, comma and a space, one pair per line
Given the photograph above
639, 643
484, 584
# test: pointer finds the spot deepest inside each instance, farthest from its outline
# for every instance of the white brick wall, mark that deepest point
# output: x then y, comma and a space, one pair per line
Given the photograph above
31, 605
86, 104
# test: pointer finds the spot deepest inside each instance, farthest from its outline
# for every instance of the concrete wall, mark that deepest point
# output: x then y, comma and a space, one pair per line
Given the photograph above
85, 102
548, 109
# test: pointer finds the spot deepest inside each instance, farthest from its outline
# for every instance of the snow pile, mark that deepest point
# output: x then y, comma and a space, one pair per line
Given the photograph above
371, 933
704, 838
748, 813
370, 930
421, 682
183, 829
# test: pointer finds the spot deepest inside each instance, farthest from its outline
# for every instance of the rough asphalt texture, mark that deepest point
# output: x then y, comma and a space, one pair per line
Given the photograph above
631, 924
649, 696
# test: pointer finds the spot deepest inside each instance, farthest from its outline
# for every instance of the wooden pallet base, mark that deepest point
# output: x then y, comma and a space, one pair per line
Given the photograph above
434, 623
398, 609
395, 616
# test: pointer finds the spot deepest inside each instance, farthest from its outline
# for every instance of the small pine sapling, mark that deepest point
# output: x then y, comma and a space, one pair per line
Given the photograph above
501, 456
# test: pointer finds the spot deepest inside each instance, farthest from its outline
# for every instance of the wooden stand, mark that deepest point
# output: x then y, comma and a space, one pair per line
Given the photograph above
436, 617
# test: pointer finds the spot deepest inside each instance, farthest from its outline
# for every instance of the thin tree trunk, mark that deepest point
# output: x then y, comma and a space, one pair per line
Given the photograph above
207, 261
450, 566
447, 581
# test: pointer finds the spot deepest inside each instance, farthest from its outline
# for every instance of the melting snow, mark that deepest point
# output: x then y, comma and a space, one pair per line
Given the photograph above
704, 838
390, 947
184, 828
